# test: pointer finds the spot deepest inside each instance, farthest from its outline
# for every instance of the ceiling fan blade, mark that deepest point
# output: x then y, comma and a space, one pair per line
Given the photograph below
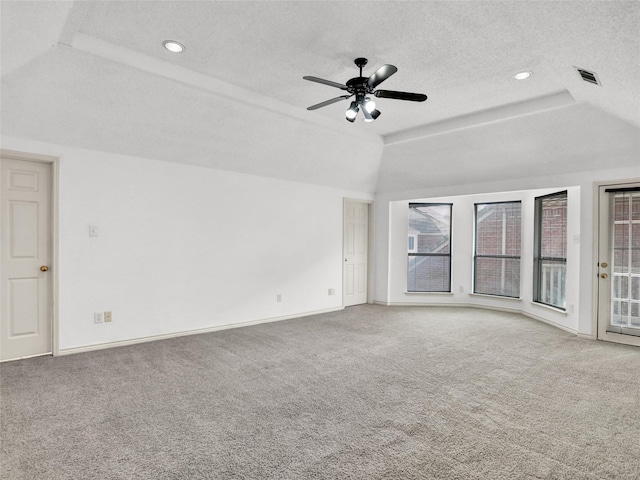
326, 82
413, 97
381, 75
328, 102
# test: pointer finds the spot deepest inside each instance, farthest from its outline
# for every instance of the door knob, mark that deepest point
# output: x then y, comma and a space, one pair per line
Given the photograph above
603, 275
44, 268
604, 264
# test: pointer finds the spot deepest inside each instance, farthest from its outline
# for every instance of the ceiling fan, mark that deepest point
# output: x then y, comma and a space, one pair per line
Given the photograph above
363, 86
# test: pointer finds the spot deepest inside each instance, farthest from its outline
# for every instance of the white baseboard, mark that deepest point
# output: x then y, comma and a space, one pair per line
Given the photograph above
487, 307
414, 304
134, 341
550, 322
378, 302
152, 338
587, 336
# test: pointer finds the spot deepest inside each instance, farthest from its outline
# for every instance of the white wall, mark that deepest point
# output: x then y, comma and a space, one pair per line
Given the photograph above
390, 243
183, 247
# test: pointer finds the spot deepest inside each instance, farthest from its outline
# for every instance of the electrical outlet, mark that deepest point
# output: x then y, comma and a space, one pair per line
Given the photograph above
461, 289
98, 317
279, 298
107, 317
332, 291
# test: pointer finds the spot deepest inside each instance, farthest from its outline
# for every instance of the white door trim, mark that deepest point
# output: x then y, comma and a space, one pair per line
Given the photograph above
597, 229
55, 175
370, 237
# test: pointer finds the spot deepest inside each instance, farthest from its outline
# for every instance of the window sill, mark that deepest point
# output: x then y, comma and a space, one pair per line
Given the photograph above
429, 293
500, 297
549, 307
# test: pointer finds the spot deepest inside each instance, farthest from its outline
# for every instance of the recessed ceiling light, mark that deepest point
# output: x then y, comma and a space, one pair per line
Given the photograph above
173, 46
522, 75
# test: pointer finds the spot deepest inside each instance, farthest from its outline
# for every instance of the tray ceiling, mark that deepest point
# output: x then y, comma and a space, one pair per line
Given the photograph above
103, 62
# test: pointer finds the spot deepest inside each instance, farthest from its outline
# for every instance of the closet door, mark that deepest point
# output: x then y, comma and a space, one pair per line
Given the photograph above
26, 313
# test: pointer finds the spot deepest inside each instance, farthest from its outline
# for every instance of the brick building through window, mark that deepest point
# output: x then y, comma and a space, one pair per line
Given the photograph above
498, 230
550, 249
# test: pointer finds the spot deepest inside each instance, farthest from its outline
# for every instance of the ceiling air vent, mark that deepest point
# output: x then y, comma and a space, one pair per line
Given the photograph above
588, 76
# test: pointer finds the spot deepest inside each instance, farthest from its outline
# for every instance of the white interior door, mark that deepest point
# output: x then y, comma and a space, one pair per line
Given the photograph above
26, 313
619, 264
356, 253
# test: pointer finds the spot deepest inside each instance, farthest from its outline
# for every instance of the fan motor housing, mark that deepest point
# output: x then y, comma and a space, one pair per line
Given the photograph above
358, 85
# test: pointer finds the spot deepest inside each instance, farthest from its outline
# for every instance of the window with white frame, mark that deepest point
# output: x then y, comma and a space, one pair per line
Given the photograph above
625, 256
498, 228
429, 261
550, 250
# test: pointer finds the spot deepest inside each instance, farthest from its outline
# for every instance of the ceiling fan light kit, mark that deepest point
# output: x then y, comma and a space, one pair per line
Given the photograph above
352, 112
361, 87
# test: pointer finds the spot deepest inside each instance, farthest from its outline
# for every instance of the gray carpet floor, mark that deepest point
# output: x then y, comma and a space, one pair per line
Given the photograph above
371, 392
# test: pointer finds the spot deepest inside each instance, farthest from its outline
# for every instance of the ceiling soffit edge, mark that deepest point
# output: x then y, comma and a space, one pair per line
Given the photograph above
211, 85
76, 16
551, 101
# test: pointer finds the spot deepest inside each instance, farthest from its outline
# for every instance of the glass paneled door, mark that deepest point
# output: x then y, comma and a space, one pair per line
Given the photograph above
619, 264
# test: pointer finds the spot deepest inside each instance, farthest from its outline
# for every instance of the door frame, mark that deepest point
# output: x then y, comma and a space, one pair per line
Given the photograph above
595, 296
54, 233
370, 237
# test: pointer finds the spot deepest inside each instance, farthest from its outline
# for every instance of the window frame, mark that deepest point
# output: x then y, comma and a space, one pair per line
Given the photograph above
416, 254
512, 257
538, 259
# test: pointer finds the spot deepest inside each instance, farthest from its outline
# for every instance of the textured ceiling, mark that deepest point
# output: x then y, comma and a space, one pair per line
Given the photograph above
95, 75
461, 54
